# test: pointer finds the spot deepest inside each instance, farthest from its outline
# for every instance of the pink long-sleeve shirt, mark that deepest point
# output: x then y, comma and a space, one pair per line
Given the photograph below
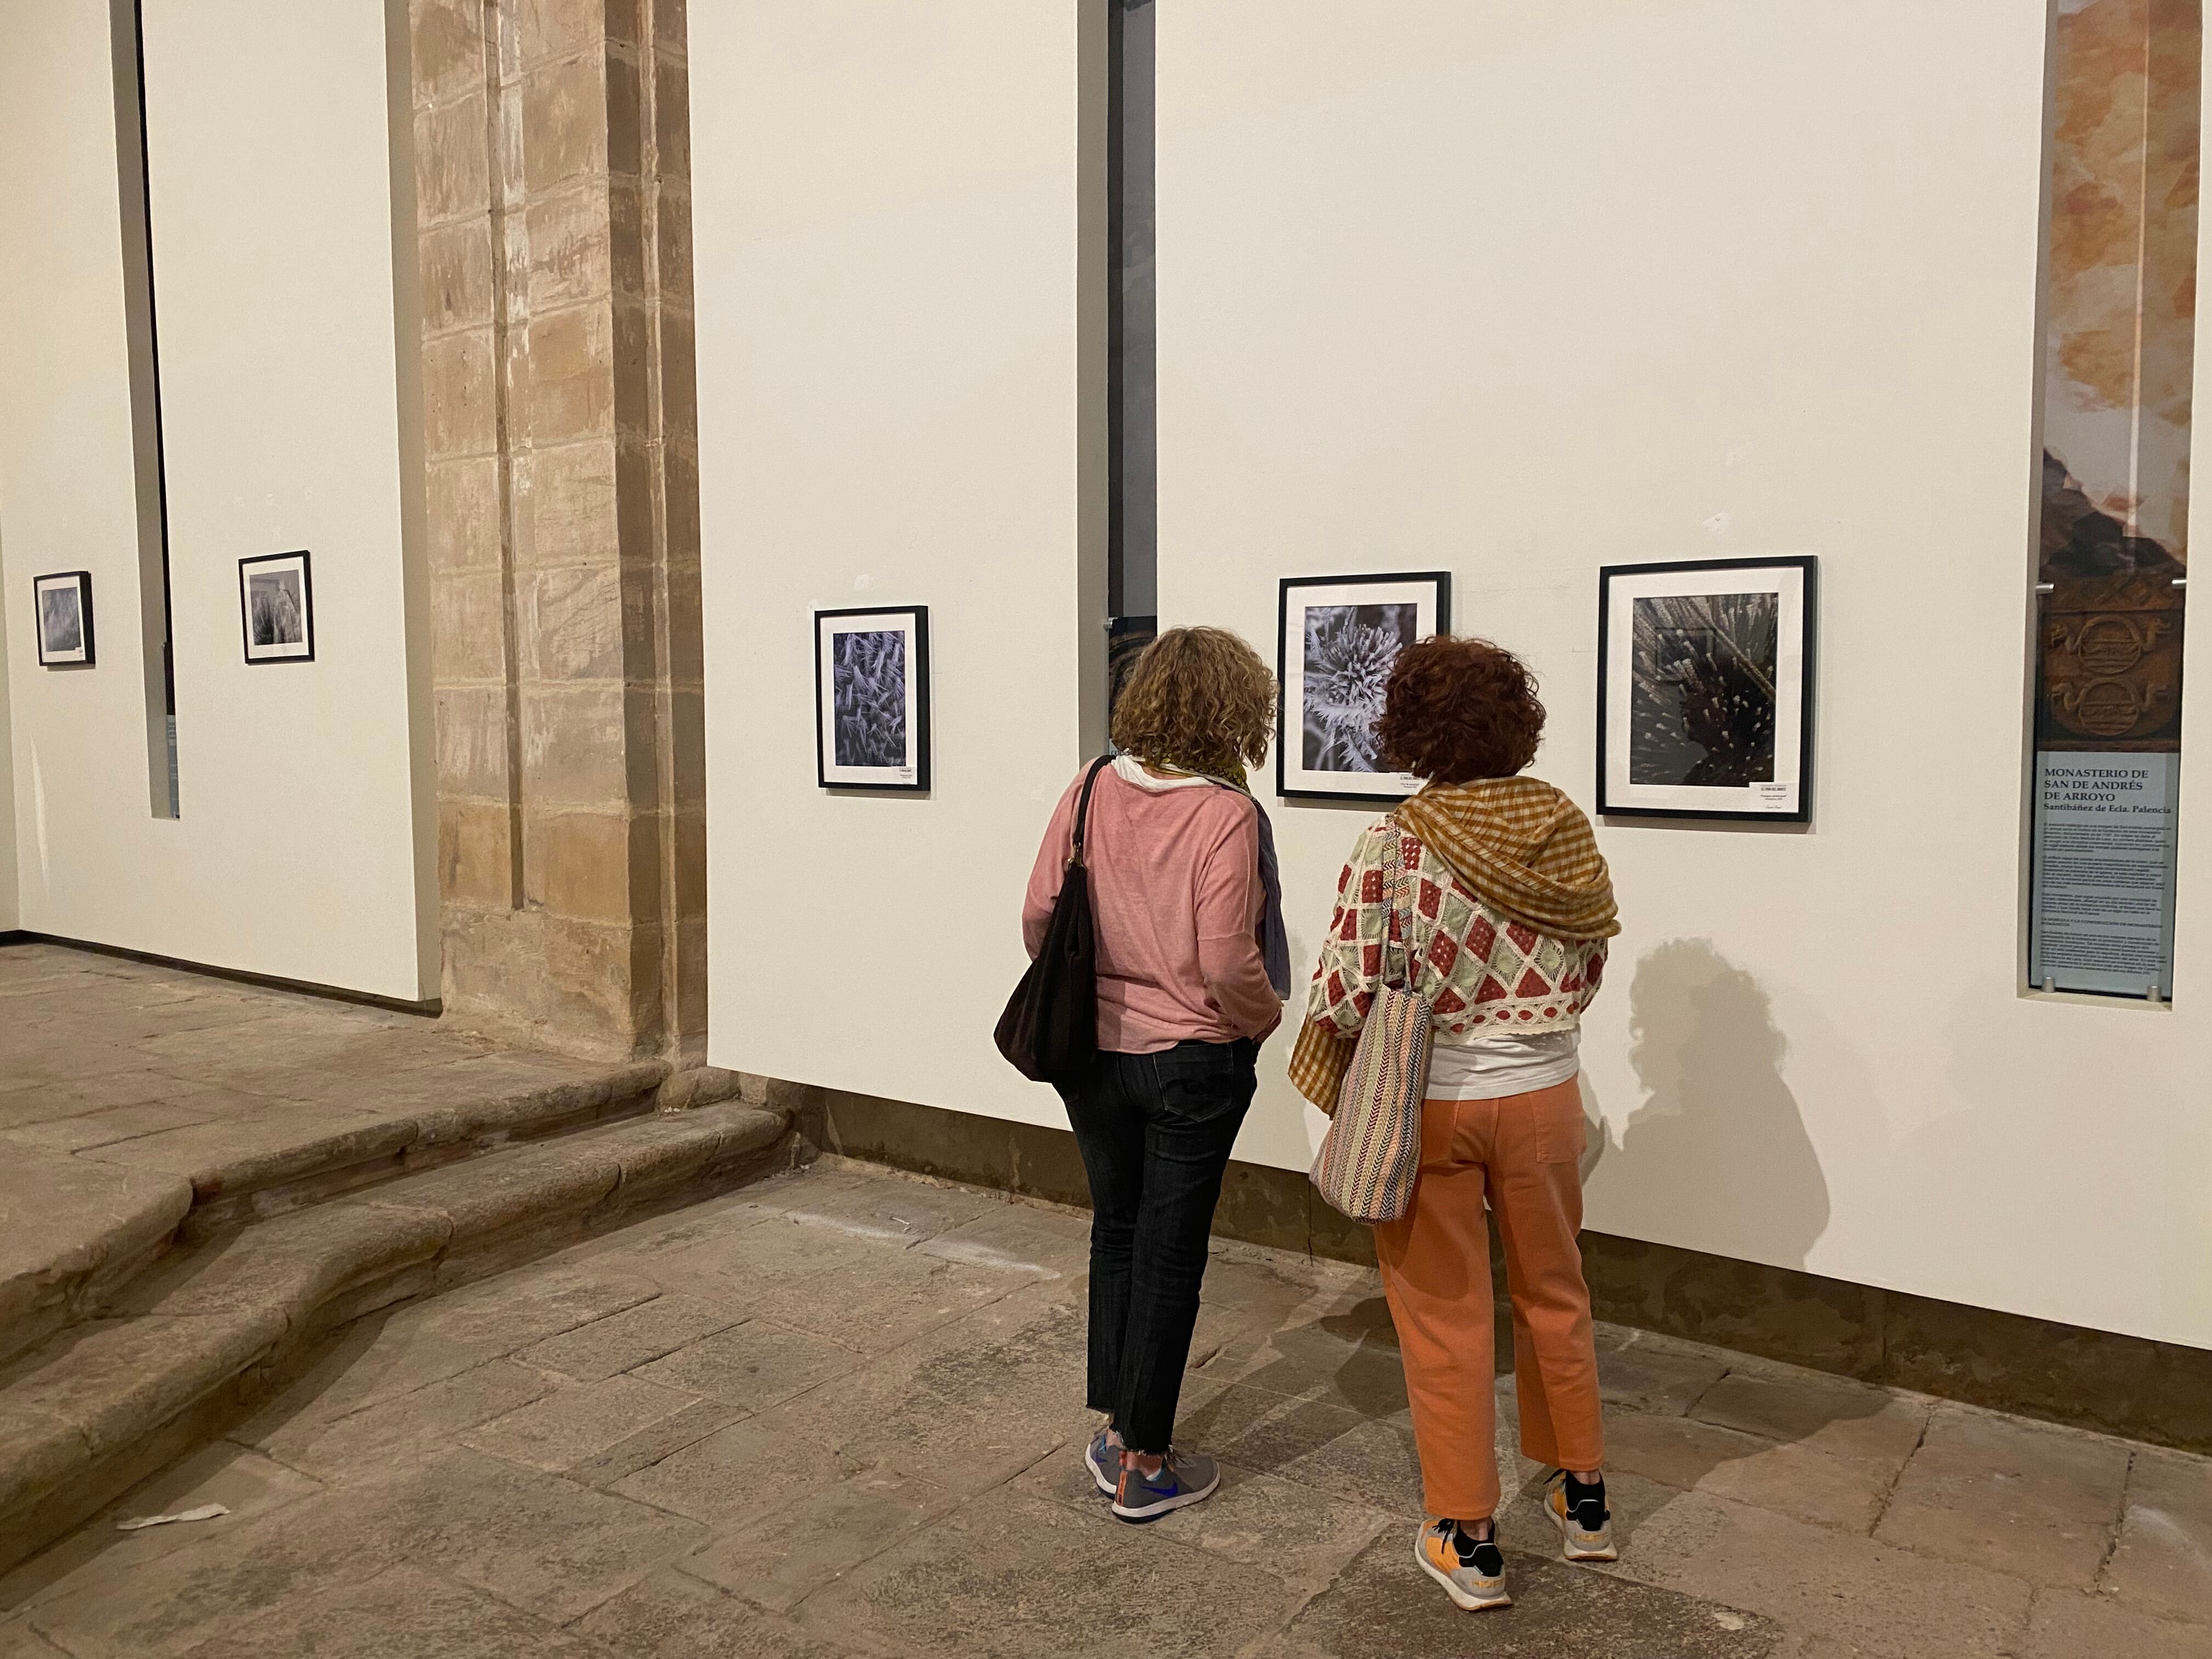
1176, 898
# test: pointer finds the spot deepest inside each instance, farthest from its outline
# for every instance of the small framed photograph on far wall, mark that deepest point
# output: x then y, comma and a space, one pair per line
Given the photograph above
61, 610
277, 604
872, 698
1337, 639
1704, 689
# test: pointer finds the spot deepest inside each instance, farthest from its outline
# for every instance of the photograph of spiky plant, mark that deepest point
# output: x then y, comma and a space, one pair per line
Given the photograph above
868, 683
1349, 650
1702, 707
61, 621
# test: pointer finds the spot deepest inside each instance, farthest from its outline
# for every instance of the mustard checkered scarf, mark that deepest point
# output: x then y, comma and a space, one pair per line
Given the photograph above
1522, 849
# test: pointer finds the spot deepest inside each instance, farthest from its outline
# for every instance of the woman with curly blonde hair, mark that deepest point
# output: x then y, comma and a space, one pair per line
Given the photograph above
1192, 974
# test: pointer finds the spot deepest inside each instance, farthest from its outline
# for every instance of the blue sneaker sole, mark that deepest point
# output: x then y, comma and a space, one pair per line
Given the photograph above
1167, 1505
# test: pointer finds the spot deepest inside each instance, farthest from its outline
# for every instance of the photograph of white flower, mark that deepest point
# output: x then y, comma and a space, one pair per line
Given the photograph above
1340, 638
872, 698
1350, 649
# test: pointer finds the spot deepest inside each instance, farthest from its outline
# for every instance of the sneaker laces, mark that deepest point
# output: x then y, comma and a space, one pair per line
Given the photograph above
1480, 1553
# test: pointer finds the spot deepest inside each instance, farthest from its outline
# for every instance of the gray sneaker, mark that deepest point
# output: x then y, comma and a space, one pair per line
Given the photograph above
1185, 1478
1103, 1458
1579, 1512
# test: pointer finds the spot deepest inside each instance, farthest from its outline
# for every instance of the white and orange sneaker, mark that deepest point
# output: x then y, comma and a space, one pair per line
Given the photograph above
1579, 1512
1472, 1571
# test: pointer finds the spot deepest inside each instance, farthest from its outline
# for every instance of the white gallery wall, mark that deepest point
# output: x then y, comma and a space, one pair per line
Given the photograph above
1520, 291
1515, 291
301, 850
8, 910
885, 207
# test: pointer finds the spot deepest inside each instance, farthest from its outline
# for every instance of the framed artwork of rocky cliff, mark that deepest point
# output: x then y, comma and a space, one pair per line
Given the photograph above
872, 698
1337, 638
277, 606
61, 609
1704, 689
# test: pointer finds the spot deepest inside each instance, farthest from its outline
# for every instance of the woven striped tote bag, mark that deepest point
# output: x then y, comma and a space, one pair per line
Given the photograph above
1371, 1155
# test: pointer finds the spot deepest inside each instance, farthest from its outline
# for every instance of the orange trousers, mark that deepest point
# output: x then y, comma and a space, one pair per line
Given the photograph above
1520, 1156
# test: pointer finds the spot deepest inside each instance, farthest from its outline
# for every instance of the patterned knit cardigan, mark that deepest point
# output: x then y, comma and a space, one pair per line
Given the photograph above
1480, 970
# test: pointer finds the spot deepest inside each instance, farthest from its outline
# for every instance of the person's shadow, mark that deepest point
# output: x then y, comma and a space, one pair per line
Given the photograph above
1719, 1129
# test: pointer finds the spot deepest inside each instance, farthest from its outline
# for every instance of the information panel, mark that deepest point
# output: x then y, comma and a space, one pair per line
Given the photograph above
2105, 840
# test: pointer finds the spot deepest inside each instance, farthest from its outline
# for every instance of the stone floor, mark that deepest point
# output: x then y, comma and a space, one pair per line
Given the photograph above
130, 1092
836, 1415
154, 1065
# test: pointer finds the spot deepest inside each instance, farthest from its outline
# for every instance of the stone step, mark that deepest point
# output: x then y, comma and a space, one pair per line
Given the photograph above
84, 1225
176, 1354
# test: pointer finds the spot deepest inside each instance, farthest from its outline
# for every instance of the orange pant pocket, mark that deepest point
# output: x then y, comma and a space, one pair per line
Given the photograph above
1561, 1133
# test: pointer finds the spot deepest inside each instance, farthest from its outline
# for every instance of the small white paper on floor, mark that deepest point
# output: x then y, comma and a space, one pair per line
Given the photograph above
204, 1512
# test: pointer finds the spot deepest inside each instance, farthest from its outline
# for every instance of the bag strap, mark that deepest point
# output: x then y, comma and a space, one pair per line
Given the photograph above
1397, 884
1082, 810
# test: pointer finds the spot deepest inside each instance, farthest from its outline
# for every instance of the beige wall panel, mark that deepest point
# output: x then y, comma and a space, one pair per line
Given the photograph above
297, 852
886, 219
67, 492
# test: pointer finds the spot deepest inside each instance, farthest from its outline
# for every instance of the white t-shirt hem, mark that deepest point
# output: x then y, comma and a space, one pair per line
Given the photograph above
1492, 1068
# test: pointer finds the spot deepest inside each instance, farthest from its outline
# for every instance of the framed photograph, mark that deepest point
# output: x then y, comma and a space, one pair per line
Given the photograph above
1704, 689
872, 698
61, 607
1336, 639
277, 604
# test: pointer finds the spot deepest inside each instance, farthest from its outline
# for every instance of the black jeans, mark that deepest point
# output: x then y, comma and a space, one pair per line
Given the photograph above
1155, 1132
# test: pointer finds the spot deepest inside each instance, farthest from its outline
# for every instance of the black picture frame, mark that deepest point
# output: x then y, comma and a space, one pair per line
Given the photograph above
79, 584
303, 650
912, 775
1300, 781
1794, 734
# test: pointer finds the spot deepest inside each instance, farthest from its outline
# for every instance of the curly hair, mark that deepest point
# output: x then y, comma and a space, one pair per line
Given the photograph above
1198, 700
1459, 709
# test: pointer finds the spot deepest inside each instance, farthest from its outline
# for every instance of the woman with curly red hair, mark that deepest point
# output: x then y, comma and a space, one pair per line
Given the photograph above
1489, 888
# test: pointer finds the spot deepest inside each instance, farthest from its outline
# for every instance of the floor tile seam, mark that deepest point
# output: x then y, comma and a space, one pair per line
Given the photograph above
585, 1381
1947, 1564
1260, 1645
562, 1384
607, 1479
959, 1502
1690, 1410
378, 1402
121, 1140
901, 1347
323, 1482
1802, 1444
569, 1474
568, 1627
2118, 1525
416, 1566
629, 1582
1889, 1492
857, 1643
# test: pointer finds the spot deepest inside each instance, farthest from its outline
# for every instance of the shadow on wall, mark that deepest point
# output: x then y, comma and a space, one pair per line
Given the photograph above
1718, 1126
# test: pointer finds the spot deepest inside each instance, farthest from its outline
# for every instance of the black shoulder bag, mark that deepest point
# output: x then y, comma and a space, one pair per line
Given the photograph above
1050, 1032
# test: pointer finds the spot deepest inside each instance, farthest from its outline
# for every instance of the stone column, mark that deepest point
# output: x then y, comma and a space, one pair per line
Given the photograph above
552, 166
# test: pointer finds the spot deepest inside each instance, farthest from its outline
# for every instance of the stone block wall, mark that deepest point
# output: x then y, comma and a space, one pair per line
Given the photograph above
552, 168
